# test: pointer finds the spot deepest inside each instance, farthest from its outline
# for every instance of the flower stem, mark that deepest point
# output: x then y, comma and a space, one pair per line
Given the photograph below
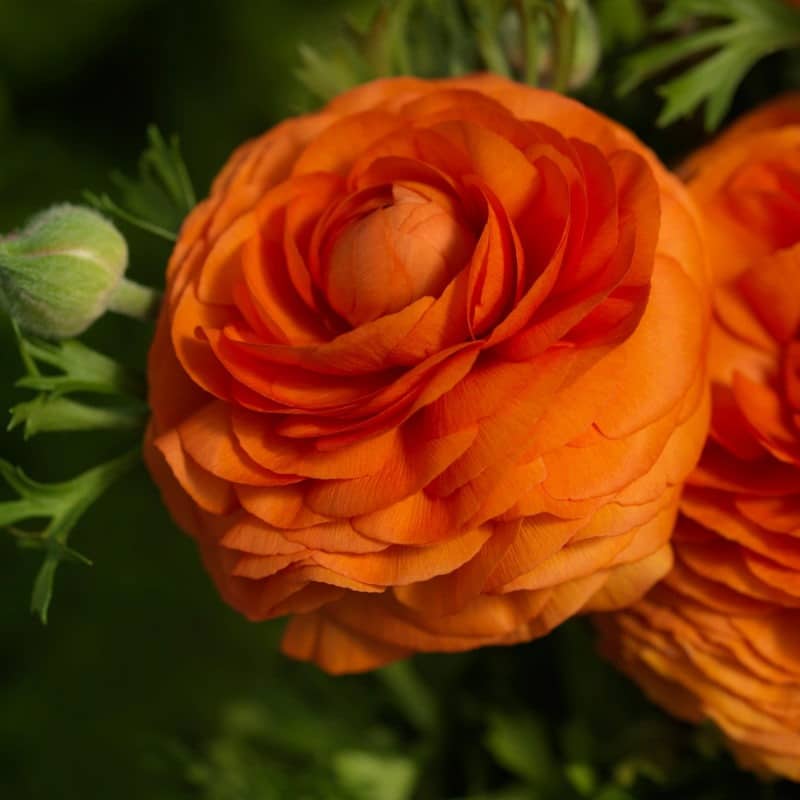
134, 300
565, 33
529, 31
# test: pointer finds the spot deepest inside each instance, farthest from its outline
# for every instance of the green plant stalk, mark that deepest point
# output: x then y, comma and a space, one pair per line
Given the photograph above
454, 25
386, 43
485, 28
134, 300
528, 12
398, 33
565, 35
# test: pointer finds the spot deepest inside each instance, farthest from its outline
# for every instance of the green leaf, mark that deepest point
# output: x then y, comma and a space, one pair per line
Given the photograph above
512, 793
411, 695
628, 771
582, 777
724, 71
731, 36
613, 793
43, 587
62, 504
644, 65
620, 21
51, 413
160, 197
82, 369
386, 43
708, 740
362, 52
79, 370
526, 39
327, 77
372, 776
520, 744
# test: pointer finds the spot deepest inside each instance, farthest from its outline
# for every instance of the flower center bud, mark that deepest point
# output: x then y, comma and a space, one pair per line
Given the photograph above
394, 255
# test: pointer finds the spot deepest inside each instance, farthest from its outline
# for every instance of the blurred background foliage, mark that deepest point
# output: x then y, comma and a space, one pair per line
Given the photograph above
143, 685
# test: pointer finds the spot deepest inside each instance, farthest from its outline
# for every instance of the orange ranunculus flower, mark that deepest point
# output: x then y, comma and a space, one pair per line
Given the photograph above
720, 637
430, 370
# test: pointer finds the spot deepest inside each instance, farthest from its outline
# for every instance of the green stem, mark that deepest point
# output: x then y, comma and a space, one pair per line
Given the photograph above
27, 359
454, 26
529, 31
564, 34
134, 300
399, 38
485, 24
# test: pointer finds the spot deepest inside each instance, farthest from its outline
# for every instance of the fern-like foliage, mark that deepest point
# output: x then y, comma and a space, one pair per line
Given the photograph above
722, 40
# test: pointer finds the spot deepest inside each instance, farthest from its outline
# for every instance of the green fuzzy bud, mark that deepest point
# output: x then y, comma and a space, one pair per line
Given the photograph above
60, 273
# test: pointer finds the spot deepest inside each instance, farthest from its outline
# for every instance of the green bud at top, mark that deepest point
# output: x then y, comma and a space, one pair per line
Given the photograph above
61, 272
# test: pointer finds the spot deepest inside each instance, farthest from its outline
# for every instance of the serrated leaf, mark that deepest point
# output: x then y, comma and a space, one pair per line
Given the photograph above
638, 68
74, 368
43, 588
62, 505
82, 369
724, 71
741, 33
160, 197
51, 413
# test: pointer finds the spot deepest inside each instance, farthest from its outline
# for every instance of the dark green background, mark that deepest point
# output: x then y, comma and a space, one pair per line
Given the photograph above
144, 685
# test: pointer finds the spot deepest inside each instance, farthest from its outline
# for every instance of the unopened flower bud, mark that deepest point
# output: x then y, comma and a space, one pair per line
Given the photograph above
59, 274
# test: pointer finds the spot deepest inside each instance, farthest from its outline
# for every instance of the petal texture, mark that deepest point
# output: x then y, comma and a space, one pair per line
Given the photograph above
718, 638
430, 371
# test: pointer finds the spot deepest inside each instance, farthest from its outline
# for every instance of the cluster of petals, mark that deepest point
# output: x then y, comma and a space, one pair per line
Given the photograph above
429, 372
719, 639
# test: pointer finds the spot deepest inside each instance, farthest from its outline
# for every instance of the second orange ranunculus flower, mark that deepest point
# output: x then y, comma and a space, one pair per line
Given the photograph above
430, 370
720, 637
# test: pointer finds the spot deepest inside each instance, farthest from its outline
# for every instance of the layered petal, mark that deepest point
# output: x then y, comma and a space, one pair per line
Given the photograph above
717, 639
430, 370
